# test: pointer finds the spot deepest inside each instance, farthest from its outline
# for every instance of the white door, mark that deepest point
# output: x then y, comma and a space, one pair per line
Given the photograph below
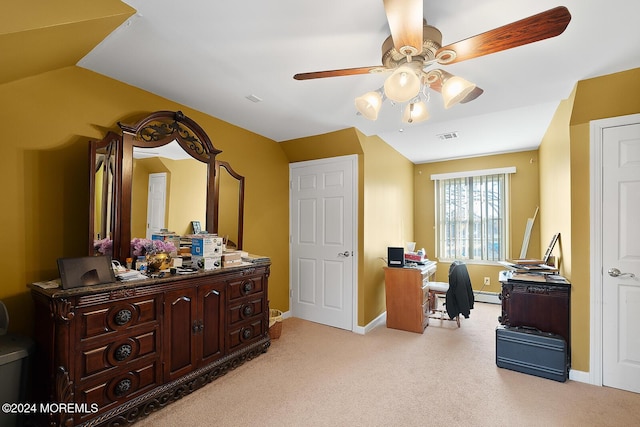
323, 240
621, 257
156, 203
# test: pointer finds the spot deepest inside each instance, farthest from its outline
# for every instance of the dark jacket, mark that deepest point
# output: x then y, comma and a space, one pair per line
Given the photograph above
459, 298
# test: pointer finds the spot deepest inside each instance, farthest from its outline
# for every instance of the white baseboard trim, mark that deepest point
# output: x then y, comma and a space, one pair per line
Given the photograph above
490, 297
286, 314
579, 376
381, 319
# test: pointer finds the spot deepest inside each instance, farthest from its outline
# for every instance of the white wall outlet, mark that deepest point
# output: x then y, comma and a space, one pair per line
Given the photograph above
487, 281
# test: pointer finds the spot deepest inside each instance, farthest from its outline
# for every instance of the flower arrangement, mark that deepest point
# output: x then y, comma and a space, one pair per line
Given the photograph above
103, 246
143, 247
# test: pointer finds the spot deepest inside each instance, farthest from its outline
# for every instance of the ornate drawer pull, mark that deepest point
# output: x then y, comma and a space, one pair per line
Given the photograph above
122, 317
247, 287
122, 387
246, 333
123, 352
247, 310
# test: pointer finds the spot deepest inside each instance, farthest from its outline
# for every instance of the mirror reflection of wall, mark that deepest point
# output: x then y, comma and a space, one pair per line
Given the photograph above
186, 193
228, 208
103, 195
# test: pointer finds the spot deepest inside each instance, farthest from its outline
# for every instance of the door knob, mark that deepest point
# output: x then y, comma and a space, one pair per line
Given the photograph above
614, 272
344, 254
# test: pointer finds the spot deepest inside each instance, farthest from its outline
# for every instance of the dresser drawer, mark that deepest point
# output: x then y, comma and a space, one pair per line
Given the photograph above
245, 287
241, 311
425, 314
119, 387
425, 292
245, 334
96, 360
118, 316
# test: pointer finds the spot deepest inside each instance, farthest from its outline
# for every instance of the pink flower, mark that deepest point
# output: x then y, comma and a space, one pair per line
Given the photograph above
103, 246
142, 247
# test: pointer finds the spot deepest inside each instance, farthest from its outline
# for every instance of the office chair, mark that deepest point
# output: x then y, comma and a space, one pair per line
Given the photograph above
447, 301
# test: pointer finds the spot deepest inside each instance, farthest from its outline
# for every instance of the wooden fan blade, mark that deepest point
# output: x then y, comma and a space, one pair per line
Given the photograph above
544, 25
338, 73
405, 22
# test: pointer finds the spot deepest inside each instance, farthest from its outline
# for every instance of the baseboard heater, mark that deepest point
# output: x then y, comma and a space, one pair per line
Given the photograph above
490, 297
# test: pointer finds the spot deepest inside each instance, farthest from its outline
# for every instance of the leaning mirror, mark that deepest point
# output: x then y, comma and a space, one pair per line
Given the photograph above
102, 176
229, 216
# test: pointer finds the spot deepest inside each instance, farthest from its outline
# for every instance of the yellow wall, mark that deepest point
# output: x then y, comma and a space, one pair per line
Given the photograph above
523, 202
388, 218
564, 170
49, 120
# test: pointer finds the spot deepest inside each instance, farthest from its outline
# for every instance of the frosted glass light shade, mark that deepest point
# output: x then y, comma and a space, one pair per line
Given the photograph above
369, 104
402, 85
455, 89
415, 112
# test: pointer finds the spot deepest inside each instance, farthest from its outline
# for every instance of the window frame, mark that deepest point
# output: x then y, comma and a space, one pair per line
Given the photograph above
437, 178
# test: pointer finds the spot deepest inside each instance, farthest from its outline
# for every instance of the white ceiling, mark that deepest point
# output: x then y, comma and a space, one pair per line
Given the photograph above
212, 55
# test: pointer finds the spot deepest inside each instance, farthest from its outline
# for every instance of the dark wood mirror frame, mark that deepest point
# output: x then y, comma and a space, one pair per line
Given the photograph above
227, 167
157, 129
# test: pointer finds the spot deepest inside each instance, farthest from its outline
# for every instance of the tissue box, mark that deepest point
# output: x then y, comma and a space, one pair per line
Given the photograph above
414, 257
232, 258
206, 246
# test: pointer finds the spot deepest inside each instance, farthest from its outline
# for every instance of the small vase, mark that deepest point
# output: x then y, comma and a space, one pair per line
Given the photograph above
158, 262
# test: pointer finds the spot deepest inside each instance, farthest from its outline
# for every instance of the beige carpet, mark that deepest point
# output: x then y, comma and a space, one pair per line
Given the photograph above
316, 375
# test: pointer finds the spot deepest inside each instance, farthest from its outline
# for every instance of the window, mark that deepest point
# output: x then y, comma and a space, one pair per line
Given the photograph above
471, 214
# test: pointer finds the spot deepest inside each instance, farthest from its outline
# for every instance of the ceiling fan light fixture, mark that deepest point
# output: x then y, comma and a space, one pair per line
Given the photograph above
402, 85
455, 89
415, 112
369, 104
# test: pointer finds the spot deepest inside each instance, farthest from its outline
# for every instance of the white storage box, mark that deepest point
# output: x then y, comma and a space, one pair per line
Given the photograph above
206, 246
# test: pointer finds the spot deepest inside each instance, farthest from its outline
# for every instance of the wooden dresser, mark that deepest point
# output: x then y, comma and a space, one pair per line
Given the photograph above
120, 351
407, 296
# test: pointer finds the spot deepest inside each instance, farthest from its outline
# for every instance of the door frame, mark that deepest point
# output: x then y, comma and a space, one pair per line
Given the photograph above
353, 158
596, 268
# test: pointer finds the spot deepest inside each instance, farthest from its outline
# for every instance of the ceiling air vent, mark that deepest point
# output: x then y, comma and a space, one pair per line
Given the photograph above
254, 98
448, 136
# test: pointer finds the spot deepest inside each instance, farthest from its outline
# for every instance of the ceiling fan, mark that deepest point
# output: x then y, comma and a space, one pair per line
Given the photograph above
413, 47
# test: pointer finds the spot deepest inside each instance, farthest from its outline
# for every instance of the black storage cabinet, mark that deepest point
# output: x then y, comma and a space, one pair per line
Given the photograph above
532, 352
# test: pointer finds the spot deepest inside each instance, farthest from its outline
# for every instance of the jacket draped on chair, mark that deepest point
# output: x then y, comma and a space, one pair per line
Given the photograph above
459, 298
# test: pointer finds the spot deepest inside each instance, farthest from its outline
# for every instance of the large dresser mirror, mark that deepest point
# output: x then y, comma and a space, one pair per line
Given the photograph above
161, 172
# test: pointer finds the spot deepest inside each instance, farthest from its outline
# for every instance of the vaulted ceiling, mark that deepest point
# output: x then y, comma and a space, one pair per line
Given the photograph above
214, 56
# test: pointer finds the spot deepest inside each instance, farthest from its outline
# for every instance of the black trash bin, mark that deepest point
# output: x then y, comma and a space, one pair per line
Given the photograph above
15, 350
